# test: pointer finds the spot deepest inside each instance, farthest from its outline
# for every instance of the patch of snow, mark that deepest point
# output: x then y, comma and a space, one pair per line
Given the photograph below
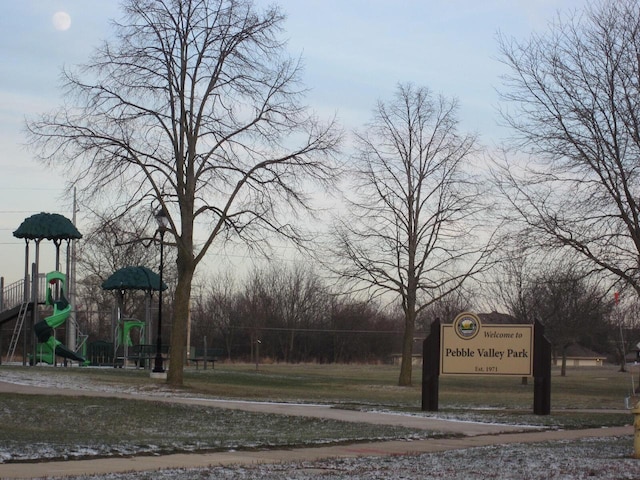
603, 458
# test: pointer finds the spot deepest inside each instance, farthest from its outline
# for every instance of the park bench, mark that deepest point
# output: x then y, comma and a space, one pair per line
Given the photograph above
143, 355
205, 356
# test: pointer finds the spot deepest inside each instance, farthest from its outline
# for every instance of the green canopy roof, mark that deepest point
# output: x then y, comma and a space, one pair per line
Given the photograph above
134, 278
50, 226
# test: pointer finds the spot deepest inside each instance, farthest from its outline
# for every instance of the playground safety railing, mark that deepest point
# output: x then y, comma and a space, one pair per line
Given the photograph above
12, 295
100, 353
15, 293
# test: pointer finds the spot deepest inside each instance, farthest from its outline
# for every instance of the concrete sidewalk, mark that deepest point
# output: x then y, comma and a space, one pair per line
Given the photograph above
376, 449
473, 435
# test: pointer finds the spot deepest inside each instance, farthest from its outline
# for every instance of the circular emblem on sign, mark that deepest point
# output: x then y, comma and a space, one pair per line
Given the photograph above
466, 325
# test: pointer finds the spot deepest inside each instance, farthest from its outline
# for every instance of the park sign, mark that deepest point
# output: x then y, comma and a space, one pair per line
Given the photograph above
469, 348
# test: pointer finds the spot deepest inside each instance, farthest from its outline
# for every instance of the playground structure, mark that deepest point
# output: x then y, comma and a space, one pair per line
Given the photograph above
122, 281
124, 330
20, 302
23, 302
48, 347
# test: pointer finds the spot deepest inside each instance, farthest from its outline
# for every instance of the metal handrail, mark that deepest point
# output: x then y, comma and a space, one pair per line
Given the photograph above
14, 294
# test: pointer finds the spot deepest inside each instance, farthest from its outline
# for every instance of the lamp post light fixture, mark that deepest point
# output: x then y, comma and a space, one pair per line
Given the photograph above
163, 225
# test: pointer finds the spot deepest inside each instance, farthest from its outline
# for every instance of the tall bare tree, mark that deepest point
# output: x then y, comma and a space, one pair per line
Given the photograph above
409, 231
299, 301
195, 108
573, 100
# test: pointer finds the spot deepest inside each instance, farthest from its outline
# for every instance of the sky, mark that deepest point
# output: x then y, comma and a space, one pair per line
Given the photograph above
355, 53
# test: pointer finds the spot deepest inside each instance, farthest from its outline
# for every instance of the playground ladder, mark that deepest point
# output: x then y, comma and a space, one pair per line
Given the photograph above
81, 338
17, 329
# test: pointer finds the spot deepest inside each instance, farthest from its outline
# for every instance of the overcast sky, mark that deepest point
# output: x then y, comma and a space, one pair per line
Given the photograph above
355, 52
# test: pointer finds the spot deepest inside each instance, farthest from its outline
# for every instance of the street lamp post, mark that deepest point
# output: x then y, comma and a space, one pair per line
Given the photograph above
163, 224
258, 342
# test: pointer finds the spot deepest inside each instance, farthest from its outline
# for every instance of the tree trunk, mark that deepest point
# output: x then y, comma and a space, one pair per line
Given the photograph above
563, 368
623, 360
407, 350
186, 269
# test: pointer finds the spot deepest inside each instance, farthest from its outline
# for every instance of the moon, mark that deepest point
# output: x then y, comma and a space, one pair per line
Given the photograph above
61, 21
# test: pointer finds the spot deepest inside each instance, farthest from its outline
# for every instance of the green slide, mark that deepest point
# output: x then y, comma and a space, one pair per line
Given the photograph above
48, 346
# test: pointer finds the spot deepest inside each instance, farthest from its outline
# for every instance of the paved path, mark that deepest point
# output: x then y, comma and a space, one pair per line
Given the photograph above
475, 435
291, 409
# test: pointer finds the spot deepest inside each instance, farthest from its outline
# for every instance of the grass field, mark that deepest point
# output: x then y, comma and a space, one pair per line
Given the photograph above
54, 426
363, 385
579, 400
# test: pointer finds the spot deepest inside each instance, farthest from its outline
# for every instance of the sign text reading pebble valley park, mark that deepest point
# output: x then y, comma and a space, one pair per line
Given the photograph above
469, 348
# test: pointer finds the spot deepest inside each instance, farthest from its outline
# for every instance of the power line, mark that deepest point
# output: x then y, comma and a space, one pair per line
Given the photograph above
318, 330
25, 212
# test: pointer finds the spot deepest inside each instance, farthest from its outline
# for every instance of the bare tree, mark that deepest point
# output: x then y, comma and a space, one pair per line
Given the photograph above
99, 258
360, 331
445, 309
293, 315
625, 329
280, 306
572, 98
573, 307
213, 313
409, 231
255, 307
511, 278
194, 108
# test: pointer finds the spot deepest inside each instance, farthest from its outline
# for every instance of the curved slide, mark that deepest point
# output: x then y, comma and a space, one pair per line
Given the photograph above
48, 346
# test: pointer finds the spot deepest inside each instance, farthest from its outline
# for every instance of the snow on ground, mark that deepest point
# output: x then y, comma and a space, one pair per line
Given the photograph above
604, 459
601, 458
61, 380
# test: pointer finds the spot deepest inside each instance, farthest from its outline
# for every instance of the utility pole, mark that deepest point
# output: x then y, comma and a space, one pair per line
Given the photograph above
71, 282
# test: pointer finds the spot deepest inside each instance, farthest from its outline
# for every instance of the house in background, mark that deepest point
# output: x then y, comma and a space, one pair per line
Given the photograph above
579, 356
